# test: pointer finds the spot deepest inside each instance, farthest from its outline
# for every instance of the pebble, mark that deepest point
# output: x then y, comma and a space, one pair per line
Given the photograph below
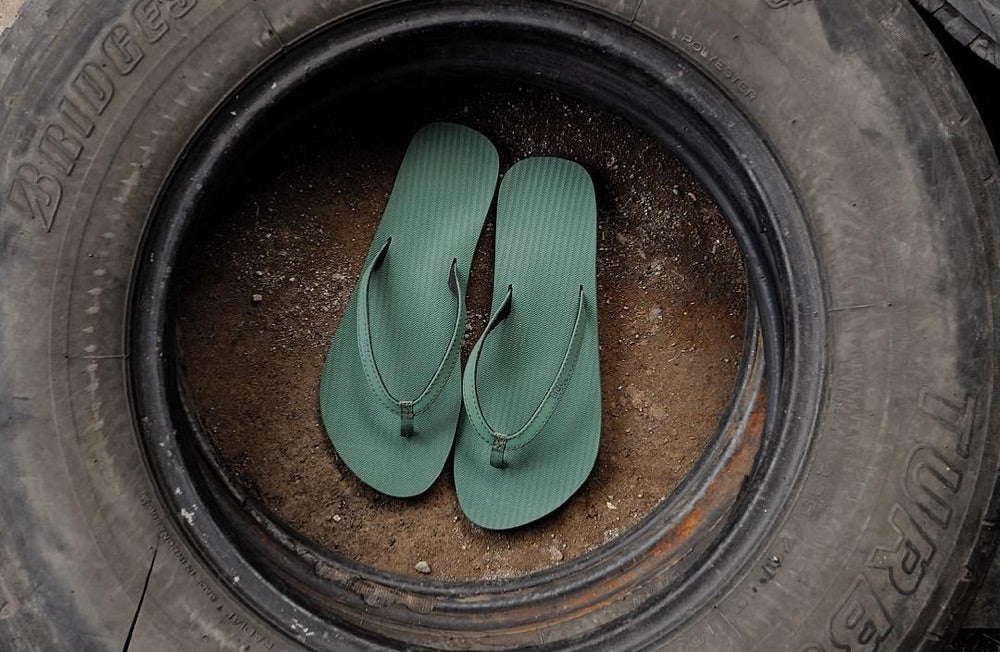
257, 298
554, 553
423, 567
337, 518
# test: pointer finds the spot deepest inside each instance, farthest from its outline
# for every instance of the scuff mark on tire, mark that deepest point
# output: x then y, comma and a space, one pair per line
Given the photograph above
142, 597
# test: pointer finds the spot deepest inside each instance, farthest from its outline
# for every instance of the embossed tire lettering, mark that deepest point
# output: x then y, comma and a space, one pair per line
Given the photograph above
856, 176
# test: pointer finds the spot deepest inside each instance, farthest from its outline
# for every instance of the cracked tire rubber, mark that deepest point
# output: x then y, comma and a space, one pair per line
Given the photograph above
974, 23
892, 512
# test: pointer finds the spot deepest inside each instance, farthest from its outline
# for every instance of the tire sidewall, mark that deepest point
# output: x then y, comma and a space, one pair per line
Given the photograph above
902, 460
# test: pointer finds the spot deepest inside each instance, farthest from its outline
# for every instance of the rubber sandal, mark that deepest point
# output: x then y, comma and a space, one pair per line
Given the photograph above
390, 395
529, 433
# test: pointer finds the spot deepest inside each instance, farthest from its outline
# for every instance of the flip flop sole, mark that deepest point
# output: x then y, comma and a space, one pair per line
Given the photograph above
545, 253
433, 219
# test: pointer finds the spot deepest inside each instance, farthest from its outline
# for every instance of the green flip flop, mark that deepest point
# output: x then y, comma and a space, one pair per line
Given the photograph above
391, 392
529, 434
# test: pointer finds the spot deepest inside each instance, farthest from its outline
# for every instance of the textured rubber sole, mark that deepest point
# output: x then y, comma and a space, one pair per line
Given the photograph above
546, 251
434, 216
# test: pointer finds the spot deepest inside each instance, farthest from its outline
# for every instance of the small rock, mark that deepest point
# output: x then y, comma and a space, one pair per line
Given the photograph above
656, 314
259, 273
554, 553
423, 567
257, 298
337, 518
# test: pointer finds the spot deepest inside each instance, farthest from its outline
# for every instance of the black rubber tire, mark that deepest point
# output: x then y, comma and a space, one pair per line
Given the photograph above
895, 514
973, 23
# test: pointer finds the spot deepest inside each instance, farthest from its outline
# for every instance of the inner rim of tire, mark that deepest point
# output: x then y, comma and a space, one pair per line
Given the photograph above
612, 67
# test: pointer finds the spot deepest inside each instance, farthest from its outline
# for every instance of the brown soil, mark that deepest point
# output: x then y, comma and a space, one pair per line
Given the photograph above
295, 232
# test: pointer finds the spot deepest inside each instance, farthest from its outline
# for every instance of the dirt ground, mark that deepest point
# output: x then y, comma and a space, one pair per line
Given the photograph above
295, 231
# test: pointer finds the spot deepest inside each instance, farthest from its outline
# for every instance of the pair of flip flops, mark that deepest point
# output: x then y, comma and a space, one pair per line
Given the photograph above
525, 416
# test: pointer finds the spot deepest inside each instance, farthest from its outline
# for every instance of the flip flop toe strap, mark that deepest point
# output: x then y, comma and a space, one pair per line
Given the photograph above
500, 442
407, 410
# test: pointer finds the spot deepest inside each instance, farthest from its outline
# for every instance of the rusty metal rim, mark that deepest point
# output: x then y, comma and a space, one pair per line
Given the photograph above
701, 503
662, 551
